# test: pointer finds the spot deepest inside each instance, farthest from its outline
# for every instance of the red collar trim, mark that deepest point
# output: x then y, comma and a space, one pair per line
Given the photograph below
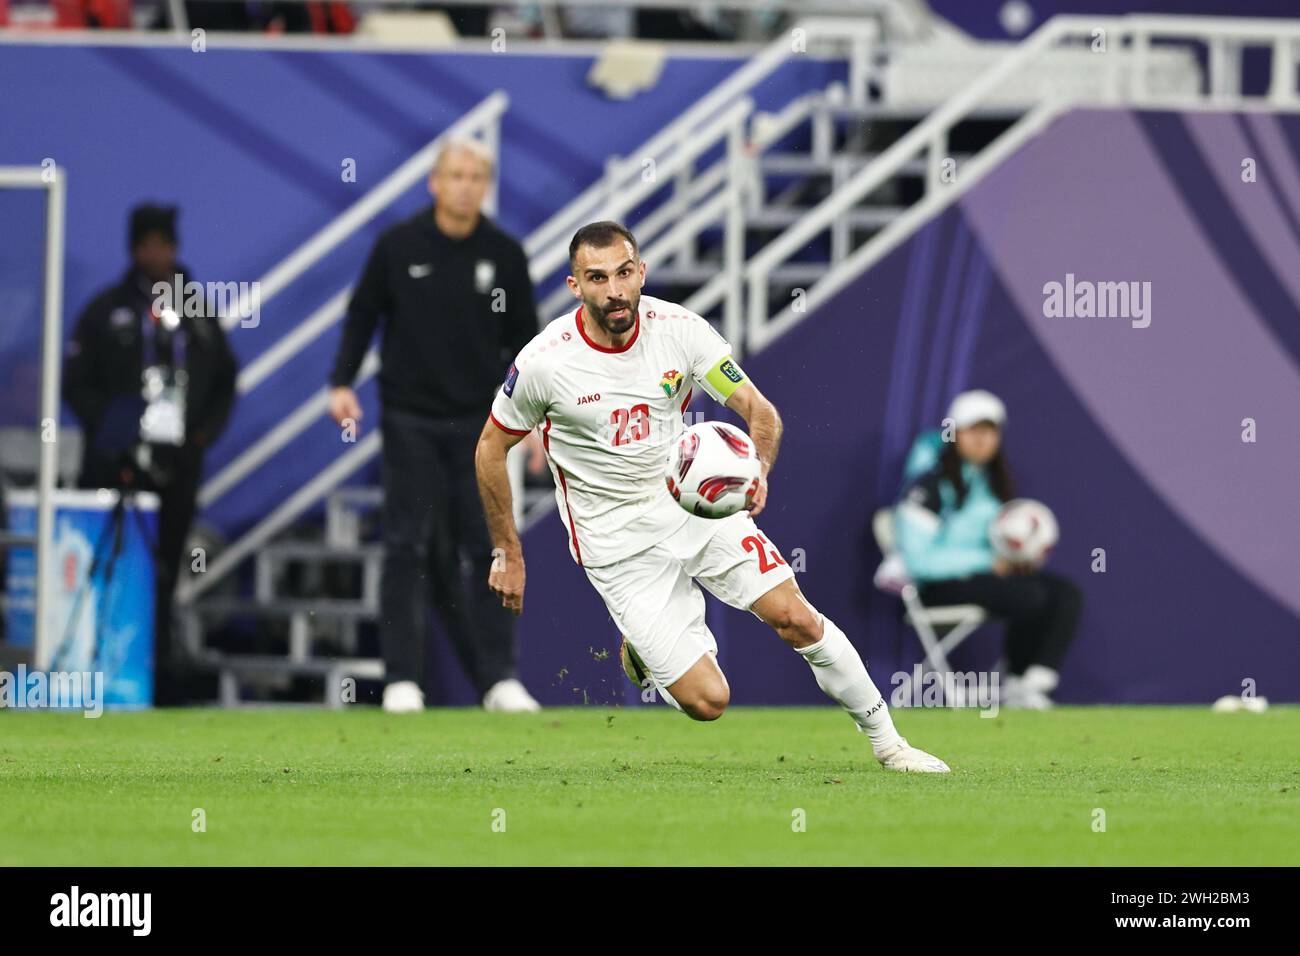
636, 330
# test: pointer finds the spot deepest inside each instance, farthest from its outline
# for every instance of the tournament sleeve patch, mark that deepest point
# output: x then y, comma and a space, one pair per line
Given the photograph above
512, 376
725, 377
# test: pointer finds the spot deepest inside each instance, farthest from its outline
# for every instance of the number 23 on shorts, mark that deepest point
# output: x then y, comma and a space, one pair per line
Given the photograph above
768, 557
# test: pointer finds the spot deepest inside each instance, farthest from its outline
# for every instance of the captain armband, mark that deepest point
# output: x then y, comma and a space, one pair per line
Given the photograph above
724, 377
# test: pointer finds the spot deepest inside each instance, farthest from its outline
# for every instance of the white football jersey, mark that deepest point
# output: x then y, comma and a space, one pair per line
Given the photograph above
608, 417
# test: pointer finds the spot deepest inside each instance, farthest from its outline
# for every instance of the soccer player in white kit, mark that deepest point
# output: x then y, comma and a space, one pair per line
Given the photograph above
607, 385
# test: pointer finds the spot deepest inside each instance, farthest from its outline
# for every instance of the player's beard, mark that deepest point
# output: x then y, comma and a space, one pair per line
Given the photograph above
618, 325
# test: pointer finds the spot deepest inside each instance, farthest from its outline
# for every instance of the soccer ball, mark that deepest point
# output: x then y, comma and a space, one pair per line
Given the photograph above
1024, 531
712, 470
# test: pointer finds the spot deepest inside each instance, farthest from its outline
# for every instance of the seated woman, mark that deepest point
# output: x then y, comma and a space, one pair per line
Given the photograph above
953, 492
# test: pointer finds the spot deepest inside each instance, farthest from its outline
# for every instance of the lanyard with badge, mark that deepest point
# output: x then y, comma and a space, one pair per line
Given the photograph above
164, 382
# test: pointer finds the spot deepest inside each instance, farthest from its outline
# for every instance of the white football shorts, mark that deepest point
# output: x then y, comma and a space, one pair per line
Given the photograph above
653, 598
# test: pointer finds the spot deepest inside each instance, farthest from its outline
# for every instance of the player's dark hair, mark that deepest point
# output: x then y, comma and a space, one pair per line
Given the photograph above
601, 235
999, 473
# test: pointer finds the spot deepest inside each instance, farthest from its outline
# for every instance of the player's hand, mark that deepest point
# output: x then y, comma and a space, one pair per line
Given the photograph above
506, 579
344, 406
757, 496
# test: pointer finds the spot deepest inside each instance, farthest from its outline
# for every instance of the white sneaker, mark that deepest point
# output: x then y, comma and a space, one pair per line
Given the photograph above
1020, 694
905, 758
510, 697
403, 697
1041, 678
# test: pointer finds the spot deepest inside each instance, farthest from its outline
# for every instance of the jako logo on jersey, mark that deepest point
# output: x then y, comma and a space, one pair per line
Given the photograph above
512, 376
728, 368
588, 399
671, 383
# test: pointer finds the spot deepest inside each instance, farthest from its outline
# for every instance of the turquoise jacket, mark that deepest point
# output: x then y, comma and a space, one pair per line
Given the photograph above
937, 539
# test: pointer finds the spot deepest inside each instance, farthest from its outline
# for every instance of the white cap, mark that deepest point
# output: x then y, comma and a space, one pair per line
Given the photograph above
971, 408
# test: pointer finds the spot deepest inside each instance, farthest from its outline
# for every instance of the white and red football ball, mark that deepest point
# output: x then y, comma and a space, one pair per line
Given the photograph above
1024, 531
712, 469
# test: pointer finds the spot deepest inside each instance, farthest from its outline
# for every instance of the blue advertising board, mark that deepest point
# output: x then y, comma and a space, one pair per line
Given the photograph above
101, 614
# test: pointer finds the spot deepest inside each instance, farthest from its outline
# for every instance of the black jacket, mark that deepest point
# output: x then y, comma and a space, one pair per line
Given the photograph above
105, 359
456, 313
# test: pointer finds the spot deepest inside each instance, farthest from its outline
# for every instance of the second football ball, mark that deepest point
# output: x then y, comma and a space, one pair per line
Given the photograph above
1024, 531
712, 469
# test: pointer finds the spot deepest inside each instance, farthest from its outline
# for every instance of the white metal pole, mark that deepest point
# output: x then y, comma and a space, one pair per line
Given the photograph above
1281, 88
935, 156
492, 140
734, 236
51, 354
179, 18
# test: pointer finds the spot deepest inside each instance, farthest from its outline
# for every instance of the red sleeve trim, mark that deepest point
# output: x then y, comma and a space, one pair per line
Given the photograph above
508, 431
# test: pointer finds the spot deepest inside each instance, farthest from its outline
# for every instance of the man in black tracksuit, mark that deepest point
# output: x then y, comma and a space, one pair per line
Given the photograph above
455, 295
118, 335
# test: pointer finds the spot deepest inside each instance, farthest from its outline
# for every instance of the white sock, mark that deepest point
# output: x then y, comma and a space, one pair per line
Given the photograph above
843, 677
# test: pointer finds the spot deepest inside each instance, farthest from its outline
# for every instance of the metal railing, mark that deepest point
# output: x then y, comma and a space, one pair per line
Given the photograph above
855, 40
698, 201
1127, 42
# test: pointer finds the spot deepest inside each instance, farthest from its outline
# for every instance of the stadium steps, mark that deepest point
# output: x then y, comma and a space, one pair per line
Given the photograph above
282, 557
300, 659
777, 217
701, 272
234, 671
313, 618
297, 607
801, 164
287, 607
279, 552
789, 181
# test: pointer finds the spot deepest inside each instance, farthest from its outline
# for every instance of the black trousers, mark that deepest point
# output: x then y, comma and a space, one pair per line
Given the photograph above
1041, 611
177, 501
437, 551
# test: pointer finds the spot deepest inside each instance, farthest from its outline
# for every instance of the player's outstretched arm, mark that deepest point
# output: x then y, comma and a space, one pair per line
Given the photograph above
507, 576
764, 424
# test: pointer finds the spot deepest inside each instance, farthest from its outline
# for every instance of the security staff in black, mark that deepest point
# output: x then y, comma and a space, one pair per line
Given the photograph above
123, 337
456, 300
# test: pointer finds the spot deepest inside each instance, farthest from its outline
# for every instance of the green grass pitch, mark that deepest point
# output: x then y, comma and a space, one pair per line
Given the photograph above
595, 786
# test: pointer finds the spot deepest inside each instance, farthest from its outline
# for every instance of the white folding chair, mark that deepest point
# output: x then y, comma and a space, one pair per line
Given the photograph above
956, 621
